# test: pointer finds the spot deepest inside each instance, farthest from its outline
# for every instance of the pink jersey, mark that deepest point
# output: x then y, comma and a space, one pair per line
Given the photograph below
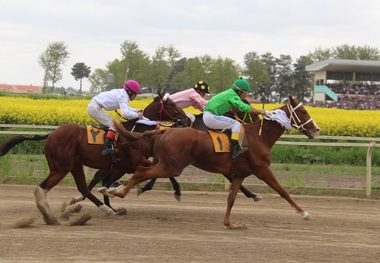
187, 98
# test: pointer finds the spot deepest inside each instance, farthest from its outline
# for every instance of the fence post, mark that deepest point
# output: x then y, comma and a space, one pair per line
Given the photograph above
368, 182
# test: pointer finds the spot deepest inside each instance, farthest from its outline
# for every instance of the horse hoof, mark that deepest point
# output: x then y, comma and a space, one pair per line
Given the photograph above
138, 190
236, 227
109, 211
258, 198
306, 216
102, 189
177, 197
109, 194
73, 201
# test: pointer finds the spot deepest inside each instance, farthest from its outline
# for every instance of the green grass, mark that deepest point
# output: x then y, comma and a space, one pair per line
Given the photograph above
33, 169
324, 169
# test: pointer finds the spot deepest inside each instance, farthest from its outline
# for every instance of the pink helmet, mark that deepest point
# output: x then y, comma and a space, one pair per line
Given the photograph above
133, 86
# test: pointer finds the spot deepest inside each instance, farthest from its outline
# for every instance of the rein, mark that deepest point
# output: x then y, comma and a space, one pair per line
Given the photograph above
121, 116
162, 111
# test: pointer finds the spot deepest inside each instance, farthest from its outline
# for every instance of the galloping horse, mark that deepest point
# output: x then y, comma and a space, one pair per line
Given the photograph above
178, 148
198, 124
108, 177
67, 150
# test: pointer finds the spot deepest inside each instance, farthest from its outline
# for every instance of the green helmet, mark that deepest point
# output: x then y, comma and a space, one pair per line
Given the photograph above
241, 84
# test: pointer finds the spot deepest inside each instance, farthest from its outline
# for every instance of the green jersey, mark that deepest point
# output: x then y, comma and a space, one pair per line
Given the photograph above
225, 101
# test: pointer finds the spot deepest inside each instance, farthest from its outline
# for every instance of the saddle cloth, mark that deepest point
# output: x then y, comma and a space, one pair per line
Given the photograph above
95, 135
222, 143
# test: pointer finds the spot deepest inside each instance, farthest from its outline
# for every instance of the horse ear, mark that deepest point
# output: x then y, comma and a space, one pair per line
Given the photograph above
159, 93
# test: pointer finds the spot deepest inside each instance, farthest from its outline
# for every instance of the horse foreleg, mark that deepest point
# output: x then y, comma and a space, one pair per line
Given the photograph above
244, 190
236, 183
98, 176
80, 180
268, 177
147, 187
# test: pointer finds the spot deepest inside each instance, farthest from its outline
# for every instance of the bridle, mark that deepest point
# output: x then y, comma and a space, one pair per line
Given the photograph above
164, 111
295, 120
161, 111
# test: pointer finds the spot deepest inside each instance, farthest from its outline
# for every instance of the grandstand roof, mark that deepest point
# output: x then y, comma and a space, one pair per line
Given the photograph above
346, 65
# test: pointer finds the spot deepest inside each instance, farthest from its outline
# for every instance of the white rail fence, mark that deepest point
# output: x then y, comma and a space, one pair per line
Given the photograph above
346, 141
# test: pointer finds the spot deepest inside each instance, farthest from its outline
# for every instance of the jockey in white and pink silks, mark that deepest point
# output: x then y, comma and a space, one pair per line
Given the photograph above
193, 97
113, 100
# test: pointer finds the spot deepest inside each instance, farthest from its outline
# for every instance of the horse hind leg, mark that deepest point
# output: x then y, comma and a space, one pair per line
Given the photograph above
177, 189
44, 207
245, 191
143, 173
236, 183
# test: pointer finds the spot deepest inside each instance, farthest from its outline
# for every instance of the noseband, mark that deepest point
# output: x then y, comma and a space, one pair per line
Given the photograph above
295, 120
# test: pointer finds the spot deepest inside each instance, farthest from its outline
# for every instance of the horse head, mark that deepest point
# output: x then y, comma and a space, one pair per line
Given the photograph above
300, 118
164, 109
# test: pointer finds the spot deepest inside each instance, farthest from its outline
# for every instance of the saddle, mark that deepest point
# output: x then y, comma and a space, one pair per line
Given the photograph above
222, 138
96, 133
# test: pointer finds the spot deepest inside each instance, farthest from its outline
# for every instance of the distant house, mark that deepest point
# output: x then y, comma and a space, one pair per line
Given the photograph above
20, 88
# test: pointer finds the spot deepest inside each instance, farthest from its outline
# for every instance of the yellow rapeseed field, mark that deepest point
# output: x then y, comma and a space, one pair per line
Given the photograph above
362, 123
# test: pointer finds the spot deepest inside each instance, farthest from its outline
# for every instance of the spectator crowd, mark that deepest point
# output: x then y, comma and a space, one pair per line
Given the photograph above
353, 96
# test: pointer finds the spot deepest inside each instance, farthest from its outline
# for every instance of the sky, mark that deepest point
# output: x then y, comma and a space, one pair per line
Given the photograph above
93, 30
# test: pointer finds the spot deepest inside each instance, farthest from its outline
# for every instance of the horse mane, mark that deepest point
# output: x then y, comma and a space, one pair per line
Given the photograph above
132, 136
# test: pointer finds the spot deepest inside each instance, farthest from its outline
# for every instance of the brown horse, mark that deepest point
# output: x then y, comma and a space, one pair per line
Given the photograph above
178, 148
67, 150
108, 177
198, 124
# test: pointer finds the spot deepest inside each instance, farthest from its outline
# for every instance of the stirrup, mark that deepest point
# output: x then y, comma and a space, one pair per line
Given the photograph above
237, 153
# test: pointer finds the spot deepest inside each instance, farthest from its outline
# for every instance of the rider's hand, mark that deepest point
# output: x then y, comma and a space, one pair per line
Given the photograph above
140, 115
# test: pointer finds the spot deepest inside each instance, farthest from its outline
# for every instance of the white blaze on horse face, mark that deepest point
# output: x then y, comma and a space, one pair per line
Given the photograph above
311, 133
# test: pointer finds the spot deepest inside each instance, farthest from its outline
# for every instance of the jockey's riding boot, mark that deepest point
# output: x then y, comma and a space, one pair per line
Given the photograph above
108, 147
236, 150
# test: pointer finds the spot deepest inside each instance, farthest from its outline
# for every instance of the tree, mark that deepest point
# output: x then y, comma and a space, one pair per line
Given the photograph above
52, 61
283, 82
80, 71
223, 73
98, 80
320, 54
256, 71
134, 64
345, 52
303, 80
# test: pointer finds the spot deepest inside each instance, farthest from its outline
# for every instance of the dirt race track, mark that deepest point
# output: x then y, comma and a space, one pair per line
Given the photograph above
157, 228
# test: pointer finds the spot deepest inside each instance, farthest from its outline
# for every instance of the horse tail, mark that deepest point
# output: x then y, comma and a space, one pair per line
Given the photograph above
10, 143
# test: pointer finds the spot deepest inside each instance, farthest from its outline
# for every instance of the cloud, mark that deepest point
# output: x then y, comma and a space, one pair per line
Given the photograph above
94, 30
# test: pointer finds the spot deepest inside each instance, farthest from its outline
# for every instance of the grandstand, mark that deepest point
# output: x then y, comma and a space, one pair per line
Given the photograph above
343, 83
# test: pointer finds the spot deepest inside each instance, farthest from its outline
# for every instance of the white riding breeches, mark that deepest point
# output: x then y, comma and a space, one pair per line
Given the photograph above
97, 113
221, 122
